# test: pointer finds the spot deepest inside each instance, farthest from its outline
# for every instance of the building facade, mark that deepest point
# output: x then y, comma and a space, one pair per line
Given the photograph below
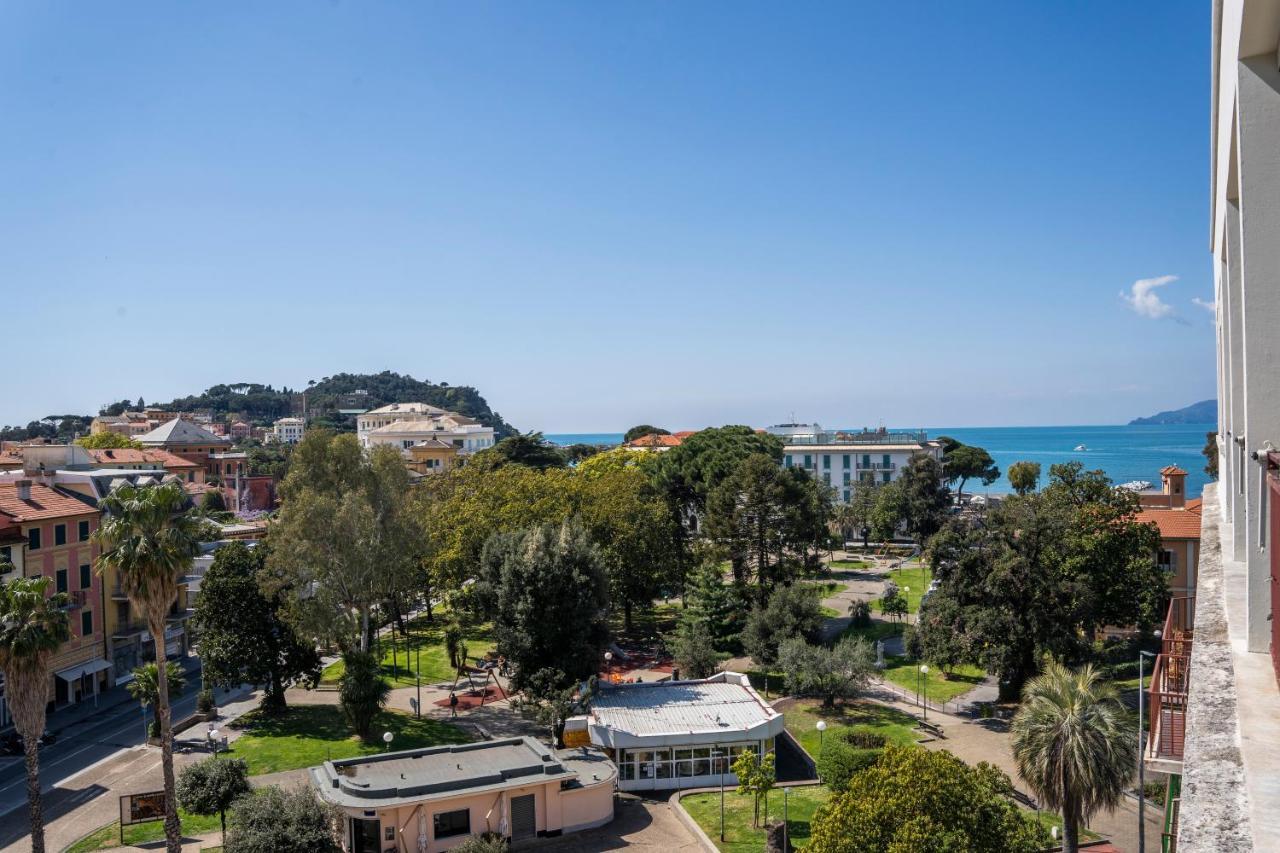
1215, 703
1178, 519
402, 425
433, 799
184, 438
288, 430
840, 459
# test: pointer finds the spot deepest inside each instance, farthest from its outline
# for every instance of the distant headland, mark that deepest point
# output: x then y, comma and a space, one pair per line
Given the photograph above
1204, 412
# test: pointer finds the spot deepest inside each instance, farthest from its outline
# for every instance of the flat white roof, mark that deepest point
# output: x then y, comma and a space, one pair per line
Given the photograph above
720, 709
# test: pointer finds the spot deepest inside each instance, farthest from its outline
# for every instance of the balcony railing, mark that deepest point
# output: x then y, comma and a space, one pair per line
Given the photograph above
877, 466
1170, 682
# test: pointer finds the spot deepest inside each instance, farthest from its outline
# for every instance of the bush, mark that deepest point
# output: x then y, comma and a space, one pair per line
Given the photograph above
840, 760
860, 614
211, 786
362, 693
204, 701
277, 821
863, 740
490, 842
1154, 791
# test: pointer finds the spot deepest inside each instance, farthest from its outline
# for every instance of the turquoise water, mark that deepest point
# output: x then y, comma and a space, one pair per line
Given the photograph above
1125, 453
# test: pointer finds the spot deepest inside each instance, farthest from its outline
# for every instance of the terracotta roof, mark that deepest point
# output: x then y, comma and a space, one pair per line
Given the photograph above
656, 441
1183, 523
132, 456
45, 502
1172, 469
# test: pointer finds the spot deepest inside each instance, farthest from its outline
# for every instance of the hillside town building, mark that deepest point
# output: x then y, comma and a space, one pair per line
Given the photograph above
840, 459
402, 425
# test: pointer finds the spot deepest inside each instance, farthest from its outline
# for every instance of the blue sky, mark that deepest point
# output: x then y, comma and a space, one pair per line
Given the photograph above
603, 214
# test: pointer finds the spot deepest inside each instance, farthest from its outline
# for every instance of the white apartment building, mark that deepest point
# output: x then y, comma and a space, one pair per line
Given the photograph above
1215, 712
840, 459
288, 430
403, 425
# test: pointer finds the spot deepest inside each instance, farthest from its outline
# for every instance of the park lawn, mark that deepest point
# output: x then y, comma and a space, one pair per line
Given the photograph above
917, 578
740, 836
849, 564
877, 630
802, 721
306, 735
108, 837
904, 673
646, 622
1051, 819
425, 645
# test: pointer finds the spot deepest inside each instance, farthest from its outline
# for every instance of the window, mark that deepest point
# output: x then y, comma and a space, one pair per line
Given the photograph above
846, 491
846, 480
86, 623
826, 460
1167, 560
887, 463
62, 580
449, 824
86, 576
6, 554
866, 460
826, 477
786, 460
886, 476
59, 534
846, 461
808, 461
83, 531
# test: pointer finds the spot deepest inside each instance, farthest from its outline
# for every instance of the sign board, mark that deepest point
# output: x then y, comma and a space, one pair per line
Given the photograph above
139, 808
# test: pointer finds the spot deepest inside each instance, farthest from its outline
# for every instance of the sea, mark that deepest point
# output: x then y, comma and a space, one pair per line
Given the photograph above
1125, 453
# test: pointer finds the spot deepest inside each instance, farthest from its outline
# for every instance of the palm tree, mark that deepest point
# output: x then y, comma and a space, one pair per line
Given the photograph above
1073, 744
149, 538
32, 627
145, 686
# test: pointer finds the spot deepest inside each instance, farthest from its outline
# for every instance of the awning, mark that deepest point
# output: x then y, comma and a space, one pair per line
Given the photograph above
74, 673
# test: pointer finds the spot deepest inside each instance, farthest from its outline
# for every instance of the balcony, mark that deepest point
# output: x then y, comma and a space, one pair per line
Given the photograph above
878, 466
1167, 694
118, 593
129, 630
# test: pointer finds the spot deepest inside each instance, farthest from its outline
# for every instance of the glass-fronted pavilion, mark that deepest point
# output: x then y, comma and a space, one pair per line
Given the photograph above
677, 734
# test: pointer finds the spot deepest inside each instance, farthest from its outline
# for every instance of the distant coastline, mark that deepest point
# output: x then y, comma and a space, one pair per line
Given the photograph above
1204, 412
1126, 453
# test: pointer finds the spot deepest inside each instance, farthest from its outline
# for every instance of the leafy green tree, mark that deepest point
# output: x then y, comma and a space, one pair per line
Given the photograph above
211, 786
108, 441
576, 454
893, 602
830, 674
767, 518
641, 431
273, 820
551, 698
1210, 453
925, 497
1074, 745
693, 648
529, 449
792, 611
756, 776
482, 844
362, 693
33, 626
550, 603
689, 473
941, 635
917, 800
149, 538
889, 511
963, 462
1024, 477
244, 637
145, 687
859, 513
213, 501
710, 601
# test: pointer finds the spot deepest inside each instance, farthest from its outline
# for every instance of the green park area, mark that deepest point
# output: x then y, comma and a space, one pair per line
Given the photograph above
306, 735
740, 835
802, 721
139, 834
941, 687
913, 581
421, 651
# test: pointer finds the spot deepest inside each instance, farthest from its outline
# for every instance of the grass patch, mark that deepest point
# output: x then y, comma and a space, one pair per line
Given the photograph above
1051, 819
425, 652
108, 837
877, 630
904, 673
768, 683
740, 836
913, 581
306, 735
849, 564
802, 721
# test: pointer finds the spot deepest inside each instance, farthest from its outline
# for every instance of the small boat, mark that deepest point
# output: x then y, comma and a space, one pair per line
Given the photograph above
1080, 447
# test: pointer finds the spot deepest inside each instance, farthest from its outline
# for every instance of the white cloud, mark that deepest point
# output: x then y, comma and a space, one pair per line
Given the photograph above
1211, 307
1145, 301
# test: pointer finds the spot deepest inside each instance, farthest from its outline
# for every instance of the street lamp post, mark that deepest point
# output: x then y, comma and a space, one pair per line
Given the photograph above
924, 673
386, 738
786, 827
821, 727
1142, 747
214, 734
716, 755
608, 666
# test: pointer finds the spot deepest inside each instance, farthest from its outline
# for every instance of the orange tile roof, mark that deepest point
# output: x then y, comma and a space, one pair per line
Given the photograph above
656, 441
1172, 469
132, 456
1181, 523
45, 502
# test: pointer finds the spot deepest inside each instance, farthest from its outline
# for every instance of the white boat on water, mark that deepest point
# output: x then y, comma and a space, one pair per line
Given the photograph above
1080, 447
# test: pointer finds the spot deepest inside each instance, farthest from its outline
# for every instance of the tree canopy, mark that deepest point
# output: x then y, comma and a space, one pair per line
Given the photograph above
641, 431
108, 441
963, 462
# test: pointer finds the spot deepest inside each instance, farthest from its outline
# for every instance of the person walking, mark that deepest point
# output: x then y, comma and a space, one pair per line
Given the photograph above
453, 705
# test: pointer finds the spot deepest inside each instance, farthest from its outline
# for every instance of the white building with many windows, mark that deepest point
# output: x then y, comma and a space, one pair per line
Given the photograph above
403, 425
839, 458
288, 430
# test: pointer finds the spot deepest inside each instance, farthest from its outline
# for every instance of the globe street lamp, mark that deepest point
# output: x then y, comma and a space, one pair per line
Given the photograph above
386, 738
785, 826
608, 666
924, 671
821, 727
214, 734
715, 757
